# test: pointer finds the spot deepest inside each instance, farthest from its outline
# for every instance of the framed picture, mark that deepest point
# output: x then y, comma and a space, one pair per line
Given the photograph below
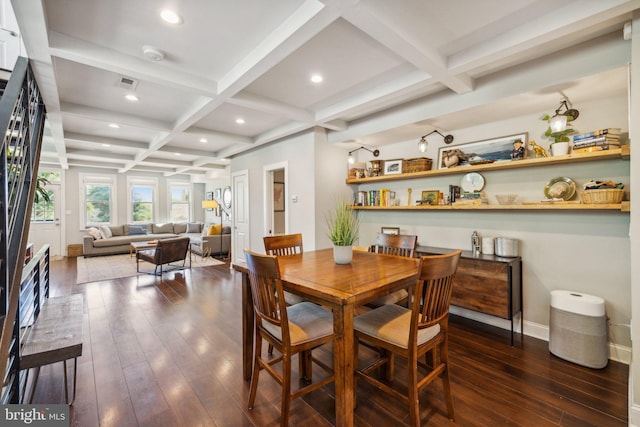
503, 149
217, 194
390, 230
209, 195
392, 167
430, 197
278, 196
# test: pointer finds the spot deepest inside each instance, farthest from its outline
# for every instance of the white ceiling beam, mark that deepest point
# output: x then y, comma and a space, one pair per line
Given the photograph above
417, 52
107, 116
260, 103
99, 140
91, 154
215, 136
82, 52
566, 21
605, 54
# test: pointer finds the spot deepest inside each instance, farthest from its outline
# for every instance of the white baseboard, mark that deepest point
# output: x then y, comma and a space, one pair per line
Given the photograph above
634, 410
617, 352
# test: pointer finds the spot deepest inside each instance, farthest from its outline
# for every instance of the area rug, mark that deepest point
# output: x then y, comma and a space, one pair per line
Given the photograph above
95, 269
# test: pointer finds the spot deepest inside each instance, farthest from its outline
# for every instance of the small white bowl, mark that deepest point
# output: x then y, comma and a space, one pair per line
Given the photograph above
506, 199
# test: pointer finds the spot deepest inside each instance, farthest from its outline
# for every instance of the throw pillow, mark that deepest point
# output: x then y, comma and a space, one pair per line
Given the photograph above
105, 232
180, 227
193, 227
137, 229
163, 228
95, 233
214, 230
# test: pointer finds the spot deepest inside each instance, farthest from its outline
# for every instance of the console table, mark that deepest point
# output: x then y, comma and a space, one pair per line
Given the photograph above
487, 284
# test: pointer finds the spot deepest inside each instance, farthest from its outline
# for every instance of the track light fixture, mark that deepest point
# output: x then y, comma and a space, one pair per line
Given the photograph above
351, 160
422, 144
558, 122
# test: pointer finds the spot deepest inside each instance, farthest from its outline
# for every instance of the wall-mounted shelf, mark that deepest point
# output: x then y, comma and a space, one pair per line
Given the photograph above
622, 207
622, 153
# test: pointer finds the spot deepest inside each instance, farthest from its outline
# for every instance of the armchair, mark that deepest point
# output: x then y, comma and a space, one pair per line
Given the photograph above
166, 252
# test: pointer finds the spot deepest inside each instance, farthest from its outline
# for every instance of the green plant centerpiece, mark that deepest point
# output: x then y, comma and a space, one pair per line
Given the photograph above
343, 226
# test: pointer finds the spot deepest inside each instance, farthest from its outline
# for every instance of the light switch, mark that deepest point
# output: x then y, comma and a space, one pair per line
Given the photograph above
294, 199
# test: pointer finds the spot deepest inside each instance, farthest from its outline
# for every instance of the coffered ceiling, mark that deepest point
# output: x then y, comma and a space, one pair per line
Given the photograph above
253, 60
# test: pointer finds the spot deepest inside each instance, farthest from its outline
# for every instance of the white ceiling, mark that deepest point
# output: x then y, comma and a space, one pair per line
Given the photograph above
253, 59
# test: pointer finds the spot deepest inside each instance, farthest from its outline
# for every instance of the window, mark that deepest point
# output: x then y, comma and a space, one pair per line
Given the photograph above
44, 203
179, 202
44, 210
97, 200
142, 199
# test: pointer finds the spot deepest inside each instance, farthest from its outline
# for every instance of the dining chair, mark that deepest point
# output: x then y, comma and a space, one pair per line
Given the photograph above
290, 329
285, 245
399, 245
413, 332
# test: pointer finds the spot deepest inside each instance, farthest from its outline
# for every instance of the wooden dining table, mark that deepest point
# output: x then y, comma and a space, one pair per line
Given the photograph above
316, 277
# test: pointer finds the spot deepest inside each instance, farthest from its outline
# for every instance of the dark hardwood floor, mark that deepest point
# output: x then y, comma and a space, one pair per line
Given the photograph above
167, 353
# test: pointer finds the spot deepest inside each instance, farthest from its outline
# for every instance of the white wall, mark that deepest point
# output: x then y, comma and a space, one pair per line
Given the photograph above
574, 250
298, 152
74, 234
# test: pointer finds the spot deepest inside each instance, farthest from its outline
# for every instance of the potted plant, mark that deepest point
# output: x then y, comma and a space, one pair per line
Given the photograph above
343, 226
561, 136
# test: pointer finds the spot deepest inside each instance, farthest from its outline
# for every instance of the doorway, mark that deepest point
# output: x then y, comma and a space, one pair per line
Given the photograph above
45, 227
275, 199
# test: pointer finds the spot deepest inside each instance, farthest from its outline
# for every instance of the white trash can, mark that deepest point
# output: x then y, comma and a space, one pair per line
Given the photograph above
578, 329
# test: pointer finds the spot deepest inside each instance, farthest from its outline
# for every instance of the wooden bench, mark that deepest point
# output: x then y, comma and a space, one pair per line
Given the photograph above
55, 336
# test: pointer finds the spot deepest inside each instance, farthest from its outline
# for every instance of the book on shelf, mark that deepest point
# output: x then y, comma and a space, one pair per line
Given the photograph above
594, 148
612, 132
602, 140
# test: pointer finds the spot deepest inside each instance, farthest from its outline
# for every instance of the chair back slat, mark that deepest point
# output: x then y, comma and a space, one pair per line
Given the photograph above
266, 288
283, 245
396, 244
435, 286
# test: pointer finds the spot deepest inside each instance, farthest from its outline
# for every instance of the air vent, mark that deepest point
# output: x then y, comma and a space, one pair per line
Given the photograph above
128, 83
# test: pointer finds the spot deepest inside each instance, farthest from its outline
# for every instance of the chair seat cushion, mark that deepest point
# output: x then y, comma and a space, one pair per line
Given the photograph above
391, 323
307, 322
292, 299
392, 298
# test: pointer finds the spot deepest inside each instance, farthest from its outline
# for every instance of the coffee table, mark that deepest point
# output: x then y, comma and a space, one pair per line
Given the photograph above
134, 247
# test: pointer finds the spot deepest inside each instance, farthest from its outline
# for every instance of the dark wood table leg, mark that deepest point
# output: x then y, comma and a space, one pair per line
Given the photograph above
343, 364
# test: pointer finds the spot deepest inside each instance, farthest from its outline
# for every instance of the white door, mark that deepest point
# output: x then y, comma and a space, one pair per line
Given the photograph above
45, 226
240, 215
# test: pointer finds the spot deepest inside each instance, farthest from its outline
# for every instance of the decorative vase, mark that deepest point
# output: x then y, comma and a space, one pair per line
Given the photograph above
342, 254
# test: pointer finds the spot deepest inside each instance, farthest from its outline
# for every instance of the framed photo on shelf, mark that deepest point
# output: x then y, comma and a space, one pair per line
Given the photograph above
430, 197
392, 167
390, 230
502, 149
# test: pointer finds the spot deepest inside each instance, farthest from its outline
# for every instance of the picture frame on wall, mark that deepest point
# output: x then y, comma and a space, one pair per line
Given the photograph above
392, 167
481, 152
209, 195
278, 196
217, 194
390, 230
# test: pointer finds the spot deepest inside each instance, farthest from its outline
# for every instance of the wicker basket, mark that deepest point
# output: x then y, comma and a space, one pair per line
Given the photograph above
603, 196
418, 164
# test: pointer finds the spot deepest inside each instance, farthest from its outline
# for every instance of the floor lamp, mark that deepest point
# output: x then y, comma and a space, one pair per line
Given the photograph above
211, 205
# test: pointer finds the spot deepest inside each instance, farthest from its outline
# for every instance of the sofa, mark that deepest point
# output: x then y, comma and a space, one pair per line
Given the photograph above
116, 239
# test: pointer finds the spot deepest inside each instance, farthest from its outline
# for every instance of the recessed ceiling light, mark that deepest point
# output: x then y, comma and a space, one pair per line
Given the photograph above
203, 140
131, 97
240, 121
170, 16
106, 145
316, 78
114, 125
177, 154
